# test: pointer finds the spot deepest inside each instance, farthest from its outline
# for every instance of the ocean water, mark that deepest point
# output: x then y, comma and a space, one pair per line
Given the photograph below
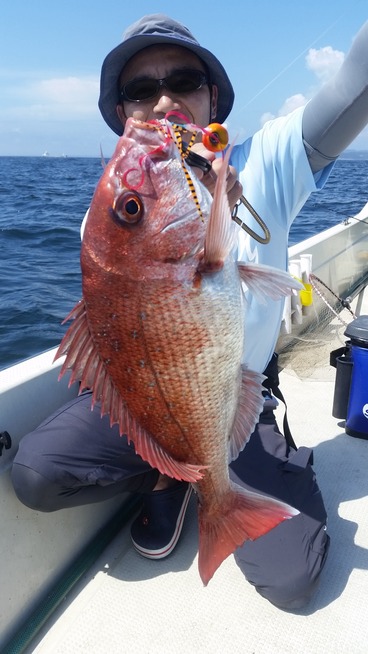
44, 199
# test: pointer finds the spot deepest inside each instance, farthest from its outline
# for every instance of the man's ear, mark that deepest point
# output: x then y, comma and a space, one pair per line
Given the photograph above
121, 114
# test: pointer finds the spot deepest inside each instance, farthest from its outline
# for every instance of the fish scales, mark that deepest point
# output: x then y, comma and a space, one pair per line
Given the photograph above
163, 317
177, 376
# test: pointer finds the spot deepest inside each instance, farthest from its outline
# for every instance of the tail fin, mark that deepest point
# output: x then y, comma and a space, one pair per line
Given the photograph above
242, 516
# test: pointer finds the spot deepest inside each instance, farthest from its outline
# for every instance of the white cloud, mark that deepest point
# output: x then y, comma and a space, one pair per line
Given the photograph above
295, 101
66, 98
74, 91
325, 62
266, 117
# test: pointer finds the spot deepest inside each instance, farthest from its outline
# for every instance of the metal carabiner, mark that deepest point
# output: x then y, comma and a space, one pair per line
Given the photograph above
194, 159
261, 239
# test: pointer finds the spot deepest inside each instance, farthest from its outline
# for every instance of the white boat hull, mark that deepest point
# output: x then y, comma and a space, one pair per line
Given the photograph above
339, 258
36, 548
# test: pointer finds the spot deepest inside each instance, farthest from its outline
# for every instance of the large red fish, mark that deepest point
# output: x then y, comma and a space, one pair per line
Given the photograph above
158, 335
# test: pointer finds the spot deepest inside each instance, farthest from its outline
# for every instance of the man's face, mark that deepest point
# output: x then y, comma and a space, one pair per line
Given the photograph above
158, 62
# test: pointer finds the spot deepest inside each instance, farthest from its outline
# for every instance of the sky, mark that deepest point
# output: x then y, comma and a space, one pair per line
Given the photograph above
277, 54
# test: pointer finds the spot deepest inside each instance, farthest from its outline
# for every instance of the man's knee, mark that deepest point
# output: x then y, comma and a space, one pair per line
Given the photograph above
33, 489
292, 593
291, 587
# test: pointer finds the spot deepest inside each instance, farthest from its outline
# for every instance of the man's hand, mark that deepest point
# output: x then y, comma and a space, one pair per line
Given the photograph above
234, 187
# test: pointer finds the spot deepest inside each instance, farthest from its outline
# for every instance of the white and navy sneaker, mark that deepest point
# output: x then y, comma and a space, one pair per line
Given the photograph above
156, 530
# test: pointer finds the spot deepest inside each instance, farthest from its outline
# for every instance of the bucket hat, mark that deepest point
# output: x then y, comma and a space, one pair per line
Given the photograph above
151, 30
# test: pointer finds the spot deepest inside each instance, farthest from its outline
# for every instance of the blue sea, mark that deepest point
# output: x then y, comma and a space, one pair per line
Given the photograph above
43, 201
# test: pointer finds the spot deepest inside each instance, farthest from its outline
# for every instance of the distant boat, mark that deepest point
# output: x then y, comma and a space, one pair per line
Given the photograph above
46, 154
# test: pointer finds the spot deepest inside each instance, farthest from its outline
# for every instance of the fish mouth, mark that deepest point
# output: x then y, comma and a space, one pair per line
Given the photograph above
134, 124
142, 124
151, 125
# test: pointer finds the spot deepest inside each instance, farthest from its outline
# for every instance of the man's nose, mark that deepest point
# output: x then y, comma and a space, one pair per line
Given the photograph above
165, 102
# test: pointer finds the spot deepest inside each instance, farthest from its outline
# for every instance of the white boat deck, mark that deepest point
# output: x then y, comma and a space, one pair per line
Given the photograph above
126, 604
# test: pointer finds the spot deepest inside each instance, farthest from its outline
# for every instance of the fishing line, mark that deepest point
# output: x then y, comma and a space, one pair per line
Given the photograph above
316, 283
358, 220
301, 54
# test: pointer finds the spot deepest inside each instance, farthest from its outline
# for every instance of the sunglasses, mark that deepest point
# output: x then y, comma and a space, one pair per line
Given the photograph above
146, 88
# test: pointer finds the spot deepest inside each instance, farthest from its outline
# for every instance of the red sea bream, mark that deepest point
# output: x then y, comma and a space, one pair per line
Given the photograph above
158, 335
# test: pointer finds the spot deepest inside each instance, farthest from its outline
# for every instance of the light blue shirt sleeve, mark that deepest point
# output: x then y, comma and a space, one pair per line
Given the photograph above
277, 180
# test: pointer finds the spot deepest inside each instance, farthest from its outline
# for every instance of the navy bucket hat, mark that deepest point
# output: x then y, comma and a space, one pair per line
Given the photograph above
151, 30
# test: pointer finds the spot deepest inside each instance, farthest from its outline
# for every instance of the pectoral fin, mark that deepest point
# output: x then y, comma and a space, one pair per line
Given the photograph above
266, 281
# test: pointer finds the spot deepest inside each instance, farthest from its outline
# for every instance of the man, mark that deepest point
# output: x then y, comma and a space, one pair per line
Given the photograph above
74, 457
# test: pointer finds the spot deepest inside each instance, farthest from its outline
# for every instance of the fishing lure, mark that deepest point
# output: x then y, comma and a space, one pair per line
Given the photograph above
214, 137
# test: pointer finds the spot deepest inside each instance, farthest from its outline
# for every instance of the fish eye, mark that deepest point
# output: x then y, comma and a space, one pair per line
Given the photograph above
128, 208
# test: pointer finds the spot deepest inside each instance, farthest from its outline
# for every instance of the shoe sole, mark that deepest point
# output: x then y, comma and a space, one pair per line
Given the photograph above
167, 549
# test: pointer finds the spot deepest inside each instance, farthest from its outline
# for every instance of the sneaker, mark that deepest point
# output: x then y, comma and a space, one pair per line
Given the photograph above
156, 530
